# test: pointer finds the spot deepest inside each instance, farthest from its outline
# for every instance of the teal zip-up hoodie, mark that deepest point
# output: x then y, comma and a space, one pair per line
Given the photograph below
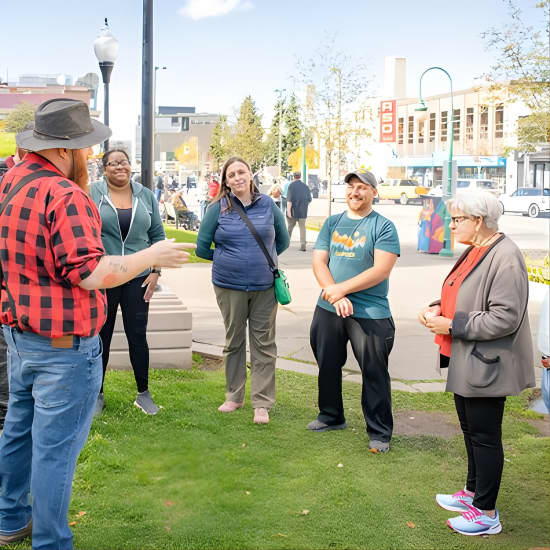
145, 227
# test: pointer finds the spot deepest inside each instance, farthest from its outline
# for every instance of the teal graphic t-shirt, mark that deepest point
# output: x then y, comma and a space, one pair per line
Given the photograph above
351, 243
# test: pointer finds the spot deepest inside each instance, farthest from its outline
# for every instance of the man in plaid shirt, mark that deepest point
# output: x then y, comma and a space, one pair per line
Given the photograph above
52, 266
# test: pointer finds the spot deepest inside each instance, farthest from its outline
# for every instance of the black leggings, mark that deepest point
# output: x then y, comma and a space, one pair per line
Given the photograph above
481, 422
135, 312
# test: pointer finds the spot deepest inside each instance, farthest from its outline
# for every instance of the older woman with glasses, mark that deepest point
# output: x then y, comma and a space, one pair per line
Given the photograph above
482, 330
130, 222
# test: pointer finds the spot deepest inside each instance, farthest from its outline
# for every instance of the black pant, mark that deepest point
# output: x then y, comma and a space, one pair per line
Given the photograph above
481, 422
135, 312
372, 342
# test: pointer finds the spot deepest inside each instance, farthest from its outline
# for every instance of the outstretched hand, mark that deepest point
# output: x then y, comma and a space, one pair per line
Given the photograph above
171, 254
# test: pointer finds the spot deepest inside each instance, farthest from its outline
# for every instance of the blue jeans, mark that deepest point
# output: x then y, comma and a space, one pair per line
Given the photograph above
52, 396
545, 388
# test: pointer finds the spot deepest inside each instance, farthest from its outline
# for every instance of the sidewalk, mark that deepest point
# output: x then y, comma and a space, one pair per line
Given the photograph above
415, 281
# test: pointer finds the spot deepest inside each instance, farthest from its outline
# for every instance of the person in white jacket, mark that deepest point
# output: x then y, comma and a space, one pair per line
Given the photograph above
544, 348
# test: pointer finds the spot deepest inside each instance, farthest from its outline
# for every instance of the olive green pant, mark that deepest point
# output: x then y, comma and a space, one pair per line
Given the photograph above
259, 309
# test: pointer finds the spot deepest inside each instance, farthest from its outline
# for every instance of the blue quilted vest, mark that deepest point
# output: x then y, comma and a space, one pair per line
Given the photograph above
239, 263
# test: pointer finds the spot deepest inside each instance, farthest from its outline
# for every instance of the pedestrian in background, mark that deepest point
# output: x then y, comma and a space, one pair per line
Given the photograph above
159, 186
244, 283
130, 222
482, 330
297, 201
352, 261
276, 194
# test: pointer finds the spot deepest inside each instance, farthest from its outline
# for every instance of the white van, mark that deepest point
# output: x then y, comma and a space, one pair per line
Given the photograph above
465, 185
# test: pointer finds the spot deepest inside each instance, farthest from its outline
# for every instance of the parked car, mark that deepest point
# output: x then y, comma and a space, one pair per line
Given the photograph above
530, 201
465, 185
436, 191
401, 191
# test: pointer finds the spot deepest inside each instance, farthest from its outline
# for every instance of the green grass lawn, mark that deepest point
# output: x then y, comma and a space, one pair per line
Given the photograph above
184, 236
193, 478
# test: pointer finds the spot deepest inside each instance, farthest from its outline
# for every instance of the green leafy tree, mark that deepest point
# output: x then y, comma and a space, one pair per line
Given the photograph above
521, 72
248, 135
286, 119
292, 139
221, 142
19, 117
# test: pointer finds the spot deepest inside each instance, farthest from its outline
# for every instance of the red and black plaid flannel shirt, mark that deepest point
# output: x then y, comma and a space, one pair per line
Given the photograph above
50, 240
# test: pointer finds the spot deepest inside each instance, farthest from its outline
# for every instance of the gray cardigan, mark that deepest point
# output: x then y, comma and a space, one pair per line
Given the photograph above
492, 352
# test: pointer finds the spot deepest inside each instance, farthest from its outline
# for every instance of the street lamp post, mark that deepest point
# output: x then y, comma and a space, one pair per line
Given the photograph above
106, 51
155, 110
447, 194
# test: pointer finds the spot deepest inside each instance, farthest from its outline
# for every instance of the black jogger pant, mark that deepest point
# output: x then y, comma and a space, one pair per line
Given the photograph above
372, 342
135, 312
481, 422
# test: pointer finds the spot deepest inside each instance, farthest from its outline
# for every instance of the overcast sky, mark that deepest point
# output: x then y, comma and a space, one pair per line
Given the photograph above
219, 51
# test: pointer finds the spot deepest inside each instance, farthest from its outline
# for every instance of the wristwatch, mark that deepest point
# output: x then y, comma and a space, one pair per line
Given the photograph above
451, 329
157, 271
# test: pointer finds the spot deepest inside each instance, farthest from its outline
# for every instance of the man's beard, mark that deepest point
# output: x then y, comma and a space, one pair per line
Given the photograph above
79, 172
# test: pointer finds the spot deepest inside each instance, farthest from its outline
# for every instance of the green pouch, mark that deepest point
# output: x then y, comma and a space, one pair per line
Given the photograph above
282, 290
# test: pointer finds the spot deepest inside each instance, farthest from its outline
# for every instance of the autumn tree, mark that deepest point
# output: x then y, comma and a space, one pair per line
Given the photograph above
21, 115
247, 139
521, 72
337, 87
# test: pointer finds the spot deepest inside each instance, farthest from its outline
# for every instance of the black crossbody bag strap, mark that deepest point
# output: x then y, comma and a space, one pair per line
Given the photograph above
261, 244
12, 192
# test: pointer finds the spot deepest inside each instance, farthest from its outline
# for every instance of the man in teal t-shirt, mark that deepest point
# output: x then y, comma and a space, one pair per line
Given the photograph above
352, 260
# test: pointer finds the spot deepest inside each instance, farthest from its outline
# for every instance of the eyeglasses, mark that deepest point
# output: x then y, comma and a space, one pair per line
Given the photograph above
456, 220
115, 163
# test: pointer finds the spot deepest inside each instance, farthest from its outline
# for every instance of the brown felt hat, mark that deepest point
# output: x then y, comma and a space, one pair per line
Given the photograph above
64, 123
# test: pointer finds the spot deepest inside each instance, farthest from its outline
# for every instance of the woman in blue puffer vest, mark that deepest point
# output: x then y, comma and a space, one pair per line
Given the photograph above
243, 283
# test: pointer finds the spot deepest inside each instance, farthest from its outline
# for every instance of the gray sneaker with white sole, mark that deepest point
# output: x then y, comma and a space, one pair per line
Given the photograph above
145, 402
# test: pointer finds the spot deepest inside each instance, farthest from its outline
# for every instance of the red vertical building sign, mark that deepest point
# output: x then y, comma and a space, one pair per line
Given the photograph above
388, 118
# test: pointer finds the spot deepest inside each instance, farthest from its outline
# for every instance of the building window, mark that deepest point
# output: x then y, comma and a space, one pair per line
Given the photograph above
499, 120
432, 127
410, 133
470, 123
483, 122
456, 124
175, 120
400, 130
443, 125
185, 124
421, 131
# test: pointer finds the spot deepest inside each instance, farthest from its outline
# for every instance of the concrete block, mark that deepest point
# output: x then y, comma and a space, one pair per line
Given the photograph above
162, 319
159, 359
166, 339
169, 335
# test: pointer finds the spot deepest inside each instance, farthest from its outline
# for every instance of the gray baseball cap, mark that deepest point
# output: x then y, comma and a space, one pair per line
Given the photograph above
364, 175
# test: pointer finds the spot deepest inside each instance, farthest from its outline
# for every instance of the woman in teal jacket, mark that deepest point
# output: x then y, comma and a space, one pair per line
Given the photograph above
130, 223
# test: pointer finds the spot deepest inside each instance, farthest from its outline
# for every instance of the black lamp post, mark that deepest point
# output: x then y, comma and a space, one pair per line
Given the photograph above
106, 51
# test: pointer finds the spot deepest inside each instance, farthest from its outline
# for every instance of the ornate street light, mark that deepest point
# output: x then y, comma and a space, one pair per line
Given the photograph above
447, 190
106, 51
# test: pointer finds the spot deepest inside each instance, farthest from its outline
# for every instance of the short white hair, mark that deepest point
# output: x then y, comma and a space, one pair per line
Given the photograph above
480, 204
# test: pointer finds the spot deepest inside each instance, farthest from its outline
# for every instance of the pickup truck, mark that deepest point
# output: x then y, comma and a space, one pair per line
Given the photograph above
401, 191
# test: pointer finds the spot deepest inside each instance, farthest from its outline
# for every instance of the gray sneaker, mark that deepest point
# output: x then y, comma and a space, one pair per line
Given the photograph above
99, 405
145, 402
21, 534
318, 426
379, 447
